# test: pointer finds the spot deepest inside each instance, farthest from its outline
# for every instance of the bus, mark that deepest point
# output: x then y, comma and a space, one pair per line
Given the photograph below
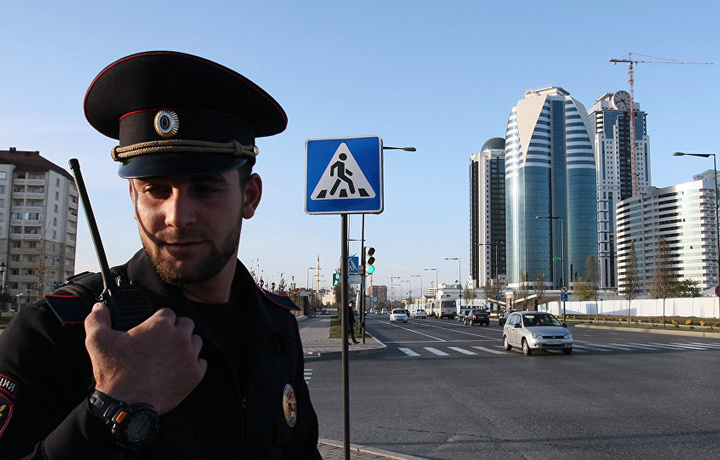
444, 309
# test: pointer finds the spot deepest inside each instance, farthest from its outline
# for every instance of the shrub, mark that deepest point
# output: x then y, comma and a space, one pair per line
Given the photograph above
688, 322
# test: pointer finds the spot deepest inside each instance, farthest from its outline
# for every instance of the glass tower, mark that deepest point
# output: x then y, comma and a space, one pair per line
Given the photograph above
487, 213
611, 120
549, 173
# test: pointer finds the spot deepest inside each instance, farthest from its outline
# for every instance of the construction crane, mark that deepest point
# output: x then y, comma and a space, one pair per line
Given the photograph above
631, 81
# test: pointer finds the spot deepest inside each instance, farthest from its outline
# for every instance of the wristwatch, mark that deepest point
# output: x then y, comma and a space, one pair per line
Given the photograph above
132, 425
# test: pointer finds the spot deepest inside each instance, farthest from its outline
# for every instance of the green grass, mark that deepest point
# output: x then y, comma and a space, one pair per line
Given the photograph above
671, 322
336, 329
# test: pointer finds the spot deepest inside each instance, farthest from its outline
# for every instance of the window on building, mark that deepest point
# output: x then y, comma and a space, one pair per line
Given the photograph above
3, 175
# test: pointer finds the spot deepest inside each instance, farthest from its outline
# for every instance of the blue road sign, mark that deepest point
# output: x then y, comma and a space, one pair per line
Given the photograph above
353, 263
563, 297
344, 176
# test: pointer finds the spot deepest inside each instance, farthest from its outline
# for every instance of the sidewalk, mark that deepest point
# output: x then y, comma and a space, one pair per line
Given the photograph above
314, 333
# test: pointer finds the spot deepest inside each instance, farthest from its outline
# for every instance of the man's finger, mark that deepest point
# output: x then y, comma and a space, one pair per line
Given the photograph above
98, 317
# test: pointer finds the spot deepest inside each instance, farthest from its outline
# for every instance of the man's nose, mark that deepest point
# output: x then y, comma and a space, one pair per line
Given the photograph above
179, 210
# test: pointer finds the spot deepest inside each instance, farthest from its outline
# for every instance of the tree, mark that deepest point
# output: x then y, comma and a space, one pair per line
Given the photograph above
523, 290
581, 289
665, 277
539, 286
687, 288
630, 283
592, 279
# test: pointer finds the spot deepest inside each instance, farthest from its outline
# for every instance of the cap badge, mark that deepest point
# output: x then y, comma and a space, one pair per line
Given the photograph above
289, 405
167, 123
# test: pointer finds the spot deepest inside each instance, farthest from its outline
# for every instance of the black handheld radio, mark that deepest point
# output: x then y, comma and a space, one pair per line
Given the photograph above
129, 303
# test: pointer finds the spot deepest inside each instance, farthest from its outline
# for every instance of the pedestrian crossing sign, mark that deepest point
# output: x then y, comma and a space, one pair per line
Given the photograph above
344, 176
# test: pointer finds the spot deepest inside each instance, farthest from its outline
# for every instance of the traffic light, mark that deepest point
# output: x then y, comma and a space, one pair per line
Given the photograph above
336, 279
369, 260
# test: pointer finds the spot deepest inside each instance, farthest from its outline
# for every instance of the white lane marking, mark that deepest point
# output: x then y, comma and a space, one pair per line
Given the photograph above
463, 351
435, 351
490, 350
408, 351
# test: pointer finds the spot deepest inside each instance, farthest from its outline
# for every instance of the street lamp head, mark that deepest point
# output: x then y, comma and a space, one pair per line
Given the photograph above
406, 149
701, 155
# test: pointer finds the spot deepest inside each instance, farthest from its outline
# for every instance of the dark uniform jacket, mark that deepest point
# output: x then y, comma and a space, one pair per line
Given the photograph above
237, 411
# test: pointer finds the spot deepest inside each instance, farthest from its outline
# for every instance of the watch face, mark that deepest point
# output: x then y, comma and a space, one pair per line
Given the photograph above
139, 427
621, 100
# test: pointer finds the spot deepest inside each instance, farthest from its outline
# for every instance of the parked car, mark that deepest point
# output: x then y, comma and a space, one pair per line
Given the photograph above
399, 314
532, 330
477, 316
420, 314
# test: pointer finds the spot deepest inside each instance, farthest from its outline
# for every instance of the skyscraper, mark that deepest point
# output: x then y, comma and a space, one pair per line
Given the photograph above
610, 116
549, 173
487, 213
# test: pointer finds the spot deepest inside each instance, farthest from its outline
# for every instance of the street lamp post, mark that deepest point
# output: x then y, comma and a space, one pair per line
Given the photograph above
717, 219
421, 286
458, 261
562, 251
435, 270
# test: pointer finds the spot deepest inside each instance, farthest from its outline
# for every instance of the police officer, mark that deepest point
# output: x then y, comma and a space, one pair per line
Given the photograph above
216, 370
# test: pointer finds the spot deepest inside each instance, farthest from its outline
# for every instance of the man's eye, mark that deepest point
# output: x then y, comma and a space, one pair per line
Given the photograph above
155, 191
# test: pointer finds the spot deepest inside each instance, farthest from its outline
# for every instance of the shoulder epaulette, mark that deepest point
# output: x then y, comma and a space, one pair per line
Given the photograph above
73, 301
281, 300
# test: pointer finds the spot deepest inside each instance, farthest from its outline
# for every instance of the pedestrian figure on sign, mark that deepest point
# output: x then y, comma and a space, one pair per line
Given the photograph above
341, 175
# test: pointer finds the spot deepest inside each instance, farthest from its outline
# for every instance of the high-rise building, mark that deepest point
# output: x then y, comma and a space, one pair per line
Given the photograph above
38, 225
684, 216
610, 116
550, 189
487, 213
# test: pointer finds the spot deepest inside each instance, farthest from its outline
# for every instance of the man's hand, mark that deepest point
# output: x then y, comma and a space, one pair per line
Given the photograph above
156, 362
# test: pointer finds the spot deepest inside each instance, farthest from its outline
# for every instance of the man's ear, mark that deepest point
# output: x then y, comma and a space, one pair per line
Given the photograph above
252, 195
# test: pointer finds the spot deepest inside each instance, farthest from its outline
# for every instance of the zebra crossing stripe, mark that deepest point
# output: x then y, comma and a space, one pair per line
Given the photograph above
463, 351
408, 351
435, 351
489, 350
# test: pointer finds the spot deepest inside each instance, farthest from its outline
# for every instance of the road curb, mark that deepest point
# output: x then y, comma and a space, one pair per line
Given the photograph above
370, 450
685, 333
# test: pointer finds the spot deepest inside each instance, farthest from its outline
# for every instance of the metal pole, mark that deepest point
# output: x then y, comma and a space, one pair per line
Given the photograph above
717, 227
562, 258
362, 267
344, 294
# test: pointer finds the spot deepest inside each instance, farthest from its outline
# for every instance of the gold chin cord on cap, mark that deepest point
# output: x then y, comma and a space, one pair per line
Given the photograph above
234, 148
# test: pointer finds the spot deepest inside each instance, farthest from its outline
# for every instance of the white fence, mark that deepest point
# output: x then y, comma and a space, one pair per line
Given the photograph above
698, 307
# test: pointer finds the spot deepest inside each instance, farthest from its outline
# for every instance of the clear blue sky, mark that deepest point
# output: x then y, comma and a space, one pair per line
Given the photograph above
438, 75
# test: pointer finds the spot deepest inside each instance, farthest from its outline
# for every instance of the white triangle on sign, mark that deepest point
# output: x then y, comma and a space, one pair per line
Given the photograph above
342, 178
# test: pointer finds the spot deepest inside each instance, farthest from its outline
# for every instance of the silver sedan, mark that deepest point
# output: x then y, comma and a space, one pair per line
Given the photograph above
398, 315
532, 330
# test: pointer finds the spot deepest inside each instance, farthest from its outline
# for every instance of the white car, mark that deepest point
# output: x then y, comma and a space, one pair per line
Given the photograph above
398, 315
383, 311
420, 314
532, 330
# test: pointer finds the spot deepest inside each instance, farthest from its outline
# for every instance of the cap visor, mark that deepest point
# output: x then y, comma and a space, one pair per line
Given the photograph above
172, 164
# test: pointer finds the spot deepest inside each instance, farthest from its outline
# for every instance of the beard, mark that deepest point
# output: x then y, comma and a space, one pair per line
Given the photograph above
194, 271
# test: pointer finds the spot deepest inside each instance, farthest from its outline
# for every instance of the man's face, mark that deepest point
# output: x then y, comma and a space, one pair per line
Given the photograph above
190, 225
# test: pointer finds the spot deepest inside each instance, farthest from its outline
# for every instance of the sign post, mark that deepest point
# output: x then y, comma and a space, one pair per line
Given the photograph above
344, 176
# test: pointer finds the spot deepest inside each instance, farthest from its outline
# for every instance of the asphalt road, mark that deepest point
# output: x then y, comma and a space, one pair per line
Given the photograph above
447, 391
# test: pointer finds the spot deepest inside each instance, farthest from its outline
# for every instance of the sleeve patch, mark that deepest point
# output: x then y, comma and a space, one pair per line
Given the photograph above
8, 387
68, 308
